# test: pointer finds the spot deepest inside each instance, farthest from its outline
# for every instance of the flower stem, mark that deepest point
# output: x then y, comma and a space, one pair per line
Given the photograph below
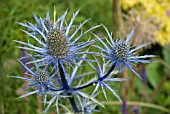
55, 69
73, 103
96, 81
108, 73
67, 88
141, 104
63, 78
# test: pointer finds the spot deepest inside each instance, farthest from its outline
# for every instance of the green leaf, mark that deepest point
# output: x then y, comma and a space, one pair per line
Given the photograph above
154, 73
166, 56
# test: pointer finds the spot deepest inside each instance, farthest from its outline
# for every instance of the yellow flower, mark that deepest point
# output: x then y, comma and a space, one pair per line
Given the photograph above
159, 10
163, 38
128, 3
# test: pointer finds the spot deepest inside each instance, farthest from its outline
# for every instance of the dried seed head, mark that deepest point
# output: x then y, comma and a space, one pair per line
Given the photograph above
42, 77
57, 44
121, 51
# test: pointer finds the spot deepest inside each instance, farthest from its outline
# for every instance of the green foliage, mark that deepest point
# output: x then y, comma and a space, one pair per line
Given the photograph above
154, 73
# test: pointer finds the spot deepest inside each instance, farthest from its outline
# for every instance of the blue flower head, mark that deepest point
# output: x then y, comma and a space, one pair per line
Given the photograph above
47, 22
56, 43
121, 53
39, 24
39, 79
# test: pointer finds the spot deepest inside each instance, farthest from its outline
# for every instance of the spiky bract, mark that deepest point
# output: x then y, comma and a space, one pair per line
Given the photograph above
56, 44
39, 79
121, 53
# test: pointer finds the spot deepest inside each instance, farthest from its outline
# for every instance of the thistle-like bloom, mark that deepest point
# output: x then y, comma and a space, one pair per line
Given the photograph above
57, 44
39, 79
39, 24
121, 53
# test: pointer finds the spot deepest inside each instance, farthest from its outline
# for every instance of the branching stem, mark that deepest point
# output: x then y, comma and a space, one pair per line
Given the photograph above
96, 81
66, 87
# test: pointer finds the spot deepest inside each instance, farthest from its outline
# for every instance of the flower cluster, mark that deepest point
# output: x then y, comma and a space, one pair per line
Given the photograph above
58, 56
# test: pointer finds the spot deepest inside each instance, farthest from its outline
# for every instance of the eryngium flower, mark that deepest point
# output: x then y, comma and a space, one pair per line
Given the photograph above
39, 24
57, 44
121, 53
39, 79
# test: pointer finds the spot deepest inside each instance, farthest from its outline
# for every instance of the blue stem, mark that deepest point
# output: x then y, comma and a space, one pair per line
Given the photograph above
73, 103
66, 87
55, 70
63, 78
96, 81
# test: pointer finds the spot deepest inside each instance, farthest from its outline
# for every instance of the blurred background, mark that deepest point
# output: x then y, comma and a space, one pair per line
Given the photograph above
151, 20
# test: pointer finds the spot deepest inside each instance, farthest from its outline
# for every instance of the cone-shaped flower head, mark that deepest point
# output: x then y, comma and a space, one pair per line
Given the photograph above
56, 43
39, 79
42, 77
121, 53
